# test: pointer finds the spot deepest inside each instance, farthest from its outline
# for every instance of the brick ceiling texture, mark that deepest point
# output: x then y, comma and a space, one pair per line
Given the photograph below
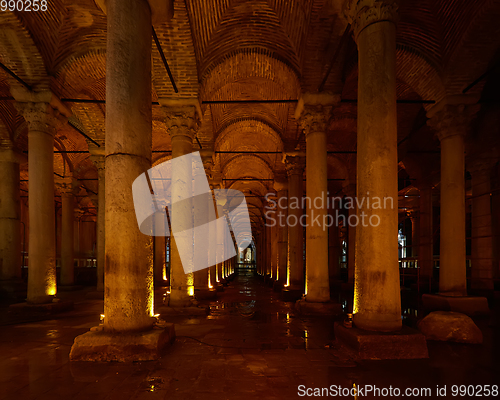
246, 50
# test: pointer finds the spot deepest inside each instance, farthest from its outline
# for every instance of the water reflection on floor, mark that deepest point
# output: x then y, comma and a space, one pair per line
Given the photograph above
251, 345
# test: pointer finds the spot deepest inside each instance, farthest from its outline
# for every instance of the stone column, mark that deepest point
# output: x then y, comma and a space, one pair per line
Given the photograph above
352, 221
415, 232
280, 185
334, 251
10, 212
450, 121
377, 301
274, 247
42, 120
182, 120
426, 252
313, 113
128, 293
295, 172
482, 236
98, 157
66, 187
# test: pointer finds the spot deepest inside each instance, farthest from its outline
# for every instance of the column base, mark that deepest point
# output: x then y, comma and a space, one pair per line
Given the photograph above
304, 307
98, 345
471, 306
404, 344
290, 294
219, 287
205, 294
179, 298
450, 326
29, 309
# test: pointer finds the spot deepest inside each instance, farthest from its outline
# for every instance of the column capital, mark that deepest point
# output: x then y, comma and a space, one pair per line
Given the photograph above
10, 153
362, 13
452, 116
182, 116
481, 165
295, 164
280, 181
67, 185
98, 156
314, 110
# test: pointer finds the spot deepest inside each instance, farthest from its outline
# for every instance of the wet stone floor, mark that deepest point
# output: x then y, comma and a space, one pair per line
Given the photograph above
250, 346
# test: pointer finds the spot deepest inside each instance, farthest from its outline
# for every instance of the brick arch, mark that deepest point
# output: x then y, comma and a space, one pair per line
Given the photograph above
244, 64
247, 165
414, 69
475, 49
20, 52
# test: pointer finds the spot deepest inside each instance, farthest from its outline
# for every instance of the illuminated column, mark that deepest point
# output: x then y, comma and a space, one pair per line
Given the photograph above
98, 157
10, 212
182, 119
313, 112
426, 253
451, 121
274, 247
377, 300
66, 187
334, 247
42, 120
281, 186
295, 172
128, 284
482, 237
415, 231
352, 219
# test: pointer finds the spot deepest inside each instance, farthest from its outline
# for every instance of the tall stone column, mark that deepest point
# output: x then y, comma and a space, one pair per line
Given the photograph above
10, 212
281, 186
415, 232
451, 120
426, 252
482, 234
182, 119
313, 113
377, 302
352, 222
42, 118
66, 187
334, 252
98, 157
295, 172
128, 296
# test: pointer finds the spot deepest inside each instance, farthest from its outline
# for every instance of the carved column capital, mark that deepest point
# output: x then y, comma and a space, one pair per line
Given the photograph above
280, 181
295, 165
450, 119
314, 111
67, 186
41, 117
362, 13
182, 117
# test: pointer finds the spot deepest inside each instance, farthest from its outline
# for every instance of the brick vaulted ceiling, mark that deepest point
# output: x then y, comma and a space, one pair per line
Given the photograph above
245, 50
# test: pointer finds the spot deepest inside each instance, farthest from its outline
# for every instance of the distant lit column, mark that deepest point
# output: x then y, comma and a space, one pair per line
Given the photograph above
67, 231
313, 113
377, 300
98, 157
334, 247
352, 220
10, 212
415, 231
482, 233
295, 172
182, 121
451, 121
426, 252
42, 120
281, 186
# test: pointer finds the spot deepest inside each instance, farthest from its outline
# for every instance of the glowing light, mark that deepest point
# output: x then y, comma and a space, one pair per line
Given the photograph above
164, 273
101, 318
191, 290
209, 280
156, 315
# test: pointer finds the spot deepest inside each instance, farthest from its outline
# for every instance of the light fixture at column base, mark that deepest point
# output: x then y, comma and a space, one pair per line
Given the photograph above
468, 305
406, 343
99, 345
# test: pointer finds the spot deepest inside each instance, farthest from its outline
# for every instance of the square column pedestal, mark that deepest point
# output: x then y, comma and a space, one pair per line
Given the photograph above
406, 343
99, 345
468, 305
